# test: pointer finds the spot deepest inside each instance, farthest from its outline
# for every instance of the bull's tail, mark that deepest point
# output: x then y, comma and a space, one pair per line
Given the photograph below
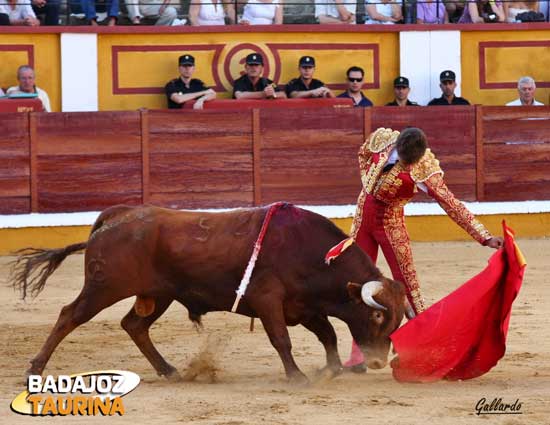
32, 268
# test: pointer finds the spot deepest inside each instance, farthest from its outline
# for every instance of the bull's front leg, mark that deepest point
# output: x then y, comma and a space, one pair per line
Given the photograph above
269, 309
323, 329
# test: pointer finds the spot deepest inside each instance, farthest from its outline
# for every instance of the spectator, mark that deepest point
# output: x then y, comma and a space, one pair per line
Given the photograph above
401, 90
48, 8
526, 90
184, 88
431, 12
514, 8
2, 94
481, 11
252, 85
262, 12
88, 7
211, 12
19, 13
355, 76
138, 9
26, 78
382, 12
305, 85
448, 85
454, 8
4, 17
335, 11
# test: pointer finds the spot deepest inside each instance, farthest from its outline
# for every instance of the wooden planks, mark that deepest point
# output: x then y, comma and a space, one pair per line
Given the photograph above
451, 136
14, 163
311, 157
88, 161
201, 159
56, 162
516, 149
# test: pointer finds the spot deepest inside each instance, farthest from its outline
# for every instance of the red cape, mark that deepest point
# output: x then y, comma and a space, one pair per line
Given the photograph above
464, 335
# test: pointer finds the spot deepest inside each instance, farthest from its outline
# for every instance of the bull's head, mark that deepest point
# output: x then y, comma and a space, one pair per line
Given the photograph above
381, 305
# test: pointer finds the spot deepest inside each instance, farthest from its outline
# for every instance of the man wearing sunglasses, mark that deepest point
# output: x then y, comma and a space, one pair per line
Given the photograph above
448, 85
253, 85
355, 77
305, 85
185, 88
401, 91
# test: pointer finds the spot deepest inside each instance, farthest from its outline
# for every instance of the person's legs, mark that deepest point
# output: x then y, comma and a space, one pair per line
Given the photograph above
88, 7
52, 12
133, 10
396, 246
367, 242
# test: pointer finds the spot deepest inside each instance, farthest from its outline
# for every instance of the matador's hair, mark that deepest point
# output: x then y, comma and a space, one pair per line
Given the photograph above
411, 145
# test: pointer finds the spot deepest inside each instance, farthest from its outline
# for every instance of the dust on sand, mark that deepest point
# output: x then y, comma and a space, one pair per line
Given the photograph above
238, 377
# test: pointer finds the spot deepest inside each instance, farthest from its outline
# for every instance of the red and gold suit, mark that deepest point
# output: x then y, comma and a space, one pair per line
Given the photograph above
379, 219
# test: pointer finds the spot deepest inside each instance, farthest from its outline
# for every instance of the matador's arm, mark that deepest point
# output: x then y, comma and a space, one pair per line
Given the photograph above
455, 209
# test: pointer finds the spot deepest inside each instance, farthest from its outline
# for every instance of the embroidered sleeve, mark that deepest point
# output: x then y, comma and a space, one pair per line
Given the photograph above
456, 210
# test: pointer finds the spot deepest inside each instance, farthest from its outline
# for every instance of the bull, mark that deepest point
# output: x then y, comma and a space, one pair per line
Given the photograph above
197, 258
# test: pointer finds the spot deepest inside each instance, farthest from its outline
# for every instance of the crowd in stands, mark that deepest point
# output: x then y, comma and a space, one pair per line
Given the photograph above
267, 12
252, 85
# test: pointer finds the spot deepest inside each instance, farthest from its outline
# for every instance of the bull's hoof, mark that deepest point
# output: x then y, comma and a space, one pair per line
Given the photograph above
172, 375
357, 368
299, 379
328, 373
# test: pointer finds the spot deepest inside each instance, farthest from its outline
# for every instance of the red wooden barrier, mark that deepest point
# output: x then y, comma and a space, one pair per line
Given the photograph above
516, 153
15, 196
54, 162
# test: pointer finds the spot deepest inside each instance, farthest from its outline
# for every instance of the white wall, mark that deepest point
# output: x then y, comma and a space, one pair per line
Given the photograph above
423, 55
79, 81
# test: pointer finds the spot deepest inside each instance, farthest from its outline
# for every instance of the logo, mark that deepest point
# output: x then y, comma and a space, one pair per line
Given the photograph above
498, 407
81, 394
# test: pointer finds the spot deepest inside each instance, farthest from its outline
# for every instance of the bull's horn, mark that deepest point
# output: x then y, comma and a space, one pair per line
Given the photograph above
369, 290
409, 312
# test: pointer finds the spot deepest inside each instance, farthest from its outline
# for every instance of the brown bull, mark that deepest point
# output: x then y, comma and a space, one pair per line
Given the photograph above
198, 259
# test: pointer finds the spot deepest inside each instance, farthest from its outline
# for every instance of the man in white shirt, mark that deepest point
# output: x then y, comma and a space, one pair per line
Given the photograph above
526, 90
335, 11
26, 78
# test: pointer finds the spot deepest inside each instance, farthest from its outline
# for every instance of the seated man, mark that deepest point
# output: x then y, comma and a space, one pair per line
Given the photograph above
48, 8
184, 88
305, 85
335, 11
26, 78
18, 13
448, 85
401, 91
526, 90
355, 77
252, 85
138, 9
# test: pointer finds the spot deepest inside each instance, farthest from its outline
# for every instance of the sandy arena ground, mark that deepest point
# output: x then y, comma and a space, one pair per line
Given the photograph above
250, 387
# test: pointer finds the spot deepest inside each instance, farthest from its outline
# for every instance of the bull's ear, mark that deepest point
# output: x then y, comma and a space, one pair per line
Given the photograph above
354, 291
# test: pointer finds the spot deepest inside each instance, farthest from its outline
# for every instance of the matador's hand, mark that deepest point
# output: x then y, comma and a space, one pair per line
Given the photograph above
495, 242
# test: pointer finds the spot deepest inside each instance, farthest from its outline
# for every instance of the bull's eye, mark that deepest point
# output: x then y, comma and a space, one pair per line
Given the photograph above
378, 316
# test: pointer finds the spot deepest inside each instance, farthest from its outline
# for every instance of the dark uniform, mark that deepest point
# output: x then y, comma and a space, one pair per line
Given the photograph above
178, 86
244, 84
409, 103
364, 102
443, 101
297, 84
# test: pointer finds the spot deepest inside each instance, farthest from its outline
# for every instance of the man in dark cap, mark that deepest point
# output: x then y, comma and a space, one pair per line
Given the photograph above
355, 76
448, 85
182, 89
253, 85
305, 85
401, 90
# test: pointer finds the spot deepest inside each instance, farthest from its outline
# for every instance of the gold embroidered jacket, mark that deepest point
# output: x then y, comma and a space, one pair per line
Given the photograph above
396, 187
